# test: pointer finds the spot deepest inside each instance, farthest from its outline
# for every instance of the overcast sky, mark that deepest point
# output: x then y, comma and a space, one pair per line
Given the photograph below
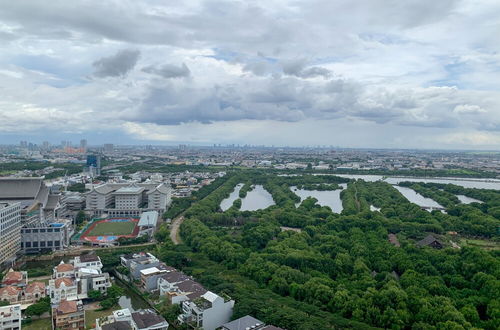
372, 73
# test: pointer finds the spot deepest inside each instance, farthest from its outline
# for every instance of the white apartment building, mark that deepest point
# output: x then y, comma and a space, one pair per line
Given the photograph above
10, 231
208, 313
10, 317
128, 198
125, 199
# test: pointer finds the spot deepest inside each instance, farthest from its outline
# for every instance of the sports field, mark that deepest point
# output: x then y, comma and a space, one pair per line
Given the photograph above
112, 228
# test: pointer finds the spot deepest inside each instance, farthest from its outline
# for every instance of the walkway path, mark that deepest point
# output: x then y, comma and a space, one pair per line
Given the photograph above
174, 229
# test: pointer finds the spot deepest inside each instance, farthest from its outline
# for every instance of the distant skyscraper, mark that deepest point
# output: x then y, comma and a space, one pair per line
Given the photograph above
83, 145
63, 144
45, 145
94, 164
108, 147
23, 144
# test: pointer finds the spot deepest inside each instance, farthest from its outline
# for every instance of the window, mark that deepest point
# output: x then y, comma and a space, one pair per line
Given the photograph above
49, 243
28, 244
35, 244
42, 244
57, 243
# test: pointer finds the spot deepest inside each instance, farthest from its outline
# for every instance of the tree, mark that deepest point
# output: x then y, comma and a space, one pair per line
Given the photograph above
39, 308
80, 217
94, 294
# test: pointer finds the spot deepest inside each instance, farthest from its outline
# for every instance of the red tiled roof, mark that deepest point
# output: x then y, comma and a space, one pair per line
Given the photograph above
66, 280
34, 286
64, 268
9, 290
66, 307
13, 276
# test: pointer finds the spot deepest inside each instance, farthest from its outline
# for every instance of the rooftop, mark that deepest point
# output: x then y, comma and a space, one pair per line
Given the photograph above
243, 323
146, 318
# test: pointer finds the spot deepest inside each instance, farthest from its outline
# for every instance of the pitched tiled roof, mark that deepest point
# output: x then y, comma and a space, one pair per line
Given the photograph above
64, 280
13, 276
66, 307
35, 286
64, 268
9, 291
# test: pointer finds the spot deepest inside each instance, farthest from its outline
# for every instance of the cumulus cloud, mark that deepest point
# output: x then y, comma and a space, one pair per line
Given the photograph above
116, 65
468, 109
298, 68
169, 71
413, 65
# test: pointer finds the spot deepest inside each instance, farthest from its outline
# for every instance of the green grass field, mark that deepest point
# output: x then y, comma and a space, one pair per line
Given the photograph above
112, 228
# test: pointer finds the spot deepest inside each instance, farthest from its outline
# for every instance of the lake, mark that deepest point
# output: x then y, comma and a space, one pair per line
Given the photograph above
228, 202
416, 198
258, 198
329, 198
467, 183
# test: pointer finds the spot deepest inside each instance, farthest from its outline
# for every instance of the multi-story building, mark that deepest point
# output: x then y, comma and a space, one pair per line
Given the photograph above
10, 232
63, 288
135, 262
46, 236
73, 280
10, 317
125, 199
208, 312
68, 315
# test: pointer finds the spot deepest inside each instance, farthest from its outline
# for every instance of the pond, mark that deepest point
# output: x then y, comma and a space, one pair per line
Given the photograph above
228, 202
329, 198
416, 198
130, 299
467, 183
467, 200
258, 198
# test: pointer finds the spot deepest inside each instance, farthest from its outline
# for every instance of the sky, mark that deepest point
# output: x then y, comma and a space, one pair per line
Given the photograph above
350, 73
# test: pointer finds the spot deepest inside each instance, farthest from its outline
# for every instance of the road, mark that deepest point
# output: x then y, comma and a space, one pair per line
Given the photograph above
174, 229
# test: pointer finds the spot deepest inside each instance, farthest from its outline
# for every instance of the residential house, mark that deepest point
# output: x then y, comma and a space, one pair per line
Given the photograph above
33, 292
69, 315
208, 312
431, 241
136, 262
15, 278
149, 276
144, 319
248, 322
63, 289
11, 294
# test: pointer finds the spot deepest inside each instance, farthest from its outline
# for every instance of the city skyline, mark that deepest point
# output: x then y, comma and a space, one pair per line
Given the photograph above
377, 74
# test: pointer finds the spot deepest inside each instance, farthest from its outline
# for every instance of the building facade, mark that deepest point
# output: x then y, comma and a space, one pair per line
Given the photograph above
10, 317
10, 232
125, 199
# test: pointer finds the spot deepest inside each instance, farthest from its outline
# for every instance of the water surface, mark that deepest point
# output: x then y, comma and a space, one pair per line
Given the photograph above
228, 202
329, 198
416, 198
258, 198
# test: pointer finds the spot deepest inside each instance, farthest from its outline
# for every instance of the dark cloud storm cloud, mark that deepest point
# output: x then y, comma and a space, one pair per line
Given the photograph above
116, 65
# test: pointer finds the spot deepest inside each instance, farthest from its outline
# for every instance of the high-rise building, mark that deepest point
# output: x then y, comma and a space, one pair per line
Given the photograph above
83, 144
45, 145
108, 148
23, 144
94, 164
10, 231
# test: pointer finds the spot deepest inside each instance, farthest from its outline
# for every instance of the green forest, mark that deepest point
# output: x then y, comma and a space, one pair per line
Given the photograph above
340, 270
